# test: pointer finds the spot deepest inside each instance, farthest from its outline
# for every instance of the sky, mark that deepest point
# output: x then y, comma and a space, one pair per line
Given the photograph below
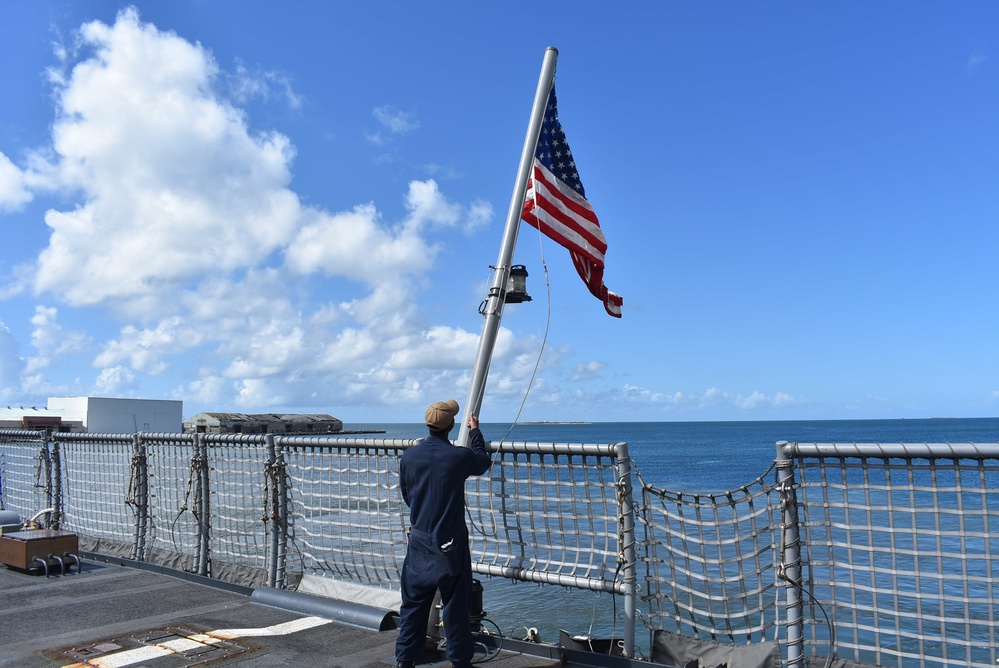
293, 207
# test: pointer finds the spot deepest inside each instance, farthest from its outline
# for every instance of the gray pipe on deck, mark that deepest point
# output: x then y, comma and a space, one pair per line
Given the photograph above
346, 612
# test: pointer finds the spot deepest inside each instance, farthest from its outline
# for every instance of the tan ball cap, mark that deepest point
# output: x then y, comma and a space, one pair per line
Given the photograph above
441, 414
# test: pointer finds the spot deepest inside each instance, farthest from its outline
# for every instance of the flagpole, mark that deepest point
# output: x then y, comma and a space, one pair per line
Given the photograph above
493, 311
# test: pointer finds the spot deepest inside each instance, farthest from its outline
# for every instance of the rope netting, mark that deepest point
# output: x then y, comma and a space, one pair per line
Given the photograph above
544, 513
346, 516
710, 561
96, 488
551, 514
25, 473
238, 498
900, 544
172, 467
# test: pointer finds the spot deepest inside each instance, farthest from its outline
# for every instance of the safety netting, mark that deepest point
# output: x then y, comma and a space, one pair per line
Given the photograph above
26, 484
899, 552
710, 561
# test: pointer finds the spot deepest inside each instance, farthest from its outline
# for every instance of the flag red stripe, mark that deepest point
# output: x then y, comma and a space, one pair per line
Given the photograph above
580, 235
539, 218
571, 208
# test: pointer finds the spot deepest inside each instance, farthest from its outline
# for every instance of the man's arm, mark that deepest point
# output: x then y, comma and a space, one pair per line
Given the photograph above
477, 444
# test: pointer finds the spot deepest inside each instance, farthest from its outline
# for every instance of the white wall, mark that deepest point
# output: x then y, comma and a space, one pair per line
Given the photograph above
123, 416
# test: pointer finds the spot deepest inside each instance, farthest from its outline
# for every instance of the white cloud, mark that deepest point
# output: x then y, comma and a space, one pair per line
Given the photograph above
115, 381
712, 399
438, 348
784, 399
355, 245
270, 351
174, 182
395, 120
637, 393
754, 400
11, 365
208, 390
427, 206
480, 214
254, 392
145, 348
245, 85
50, 340
183, 233
13, 191
587, 370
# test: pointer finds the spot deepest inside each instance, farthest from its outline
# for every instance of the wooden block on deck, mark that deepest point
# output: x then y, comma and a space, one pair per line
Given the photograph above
20, 548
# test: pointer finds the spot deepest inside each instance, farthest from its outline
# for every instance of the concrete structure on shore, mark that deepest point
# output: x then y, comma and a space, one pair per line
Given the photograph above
34, 419
263, 423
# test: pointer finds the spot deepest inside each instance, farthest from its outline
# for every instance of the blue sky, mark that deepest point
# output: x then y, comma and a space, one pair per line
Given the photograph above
255, 206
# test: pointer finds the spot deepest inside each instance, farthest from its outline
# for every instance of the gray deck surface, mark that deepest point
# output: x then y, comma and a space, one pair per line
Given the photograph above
91, 618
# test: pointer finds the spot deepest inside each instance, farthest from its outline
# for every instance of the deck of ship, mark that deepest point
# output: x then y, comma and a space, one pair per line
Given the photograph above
114, 616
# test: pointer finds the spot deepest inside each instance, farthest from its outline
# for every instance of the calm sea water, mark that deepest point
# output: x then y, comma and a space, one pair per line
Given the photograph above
718, 456
680, 456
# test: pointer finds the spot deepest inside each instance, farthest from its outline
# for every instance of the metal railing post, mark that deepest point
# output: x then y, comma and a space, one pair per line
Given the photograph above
55, 500
203, 505
140, 471
271, 504
789, 568
281, 567
45, 467
629, 570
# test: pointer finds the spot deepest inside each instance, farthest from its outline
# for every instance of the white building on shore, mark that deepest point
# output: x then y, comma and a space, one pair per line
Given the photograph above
98, 415
36, 419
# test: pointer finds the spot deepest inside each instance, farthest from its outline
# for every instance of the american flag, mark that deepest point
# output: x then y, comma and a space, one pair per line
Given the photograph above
556, 204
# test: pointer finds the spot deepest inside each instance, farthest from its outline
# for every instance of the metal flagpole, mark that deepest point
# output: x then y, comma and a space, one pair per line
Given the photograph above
493, 311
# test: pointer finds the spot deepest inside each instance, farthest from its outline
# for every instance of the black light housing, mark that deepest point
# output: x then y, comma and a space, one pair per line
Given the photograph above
516, 285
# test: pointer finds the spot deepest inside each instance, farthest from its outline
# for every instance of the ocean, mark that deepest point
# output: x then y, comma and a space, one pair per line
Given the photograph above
718, 456
679, 456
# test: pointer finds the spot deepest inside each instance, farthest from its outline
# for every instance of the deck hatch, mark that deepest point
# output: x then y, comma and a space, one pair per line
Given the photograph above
169, 647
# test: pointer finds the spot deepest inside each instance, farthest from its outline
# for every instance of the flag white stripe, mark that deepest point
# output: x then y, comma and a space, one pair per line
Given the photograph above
574, 241
585, 224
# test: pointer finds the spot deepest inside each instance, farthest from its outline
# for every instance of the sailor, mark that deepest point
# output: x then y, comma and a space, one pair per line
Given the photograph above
432, 477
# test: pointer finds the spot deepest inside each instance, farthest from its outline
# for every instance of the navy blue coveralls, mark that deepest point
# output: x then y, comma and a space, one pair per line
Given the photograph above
432, 476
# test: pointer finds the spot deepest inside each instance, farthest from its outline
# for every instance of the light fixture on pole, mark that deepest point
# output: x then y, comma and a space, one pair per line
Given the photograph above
516, 286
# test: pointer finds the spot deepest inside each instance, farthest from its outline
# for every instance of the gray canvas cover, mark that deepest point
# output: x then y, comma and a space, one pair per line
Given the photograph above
673, 649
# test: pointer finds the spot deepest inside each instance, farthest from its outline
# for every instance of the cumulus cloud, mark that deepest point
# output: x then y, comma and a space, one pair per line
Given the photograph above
207, 390
116, 381
50, 340
183, 232
712, 399
174, 182
144, 348
11, 364
587, 370
439, 348
755, 400
13, 190
637, 393
356, 245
